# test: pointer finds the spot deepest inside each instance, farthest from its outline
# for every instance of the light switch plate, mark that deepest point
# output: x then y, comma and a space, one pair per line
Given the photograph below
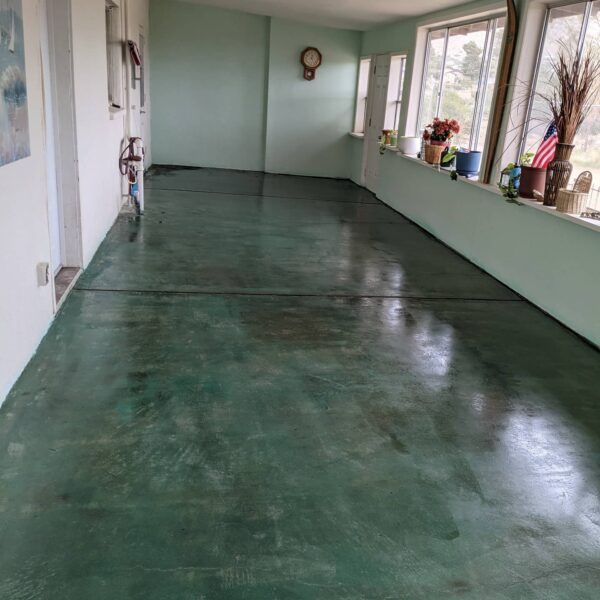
43, 274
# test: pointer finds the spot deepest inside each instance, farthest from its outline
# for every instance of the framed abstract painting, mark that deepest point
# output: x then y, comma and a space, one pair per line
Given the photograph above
14, 119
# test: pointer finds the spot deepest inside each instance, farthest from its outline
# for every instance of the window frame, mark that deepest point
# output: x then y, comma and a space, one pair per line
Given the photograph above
401, 88
115, 61
522, 146
481, 95
363, 118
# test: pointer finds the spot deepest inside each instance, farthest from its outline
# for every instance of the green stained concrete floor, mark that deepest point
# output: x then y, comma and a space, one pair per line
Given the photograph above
297, 395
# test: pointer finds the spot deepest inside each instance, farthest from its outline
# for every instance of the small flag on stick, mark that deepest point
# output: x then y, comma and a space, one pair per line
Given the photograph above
543, 157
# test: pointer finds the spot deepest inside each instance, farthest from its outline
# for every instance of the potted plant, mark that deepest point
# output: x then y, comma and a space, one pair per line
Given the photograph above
575, 89
533, 179
448, 158
468, 162
409, 145
437, 136
510, 180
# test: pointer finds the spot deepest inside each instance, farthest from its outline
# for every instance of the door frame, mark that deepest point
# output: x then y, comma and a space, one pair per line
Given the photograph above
55, 216
62, 88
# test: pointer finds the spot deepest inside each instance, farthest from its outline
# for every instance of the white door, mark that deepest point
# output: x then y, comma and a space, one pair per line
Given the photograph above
55, 216
375, 118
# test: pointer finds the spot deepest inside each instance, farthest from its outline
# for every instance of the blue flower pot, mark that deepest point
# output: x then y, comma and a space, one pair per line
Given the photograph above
468, 163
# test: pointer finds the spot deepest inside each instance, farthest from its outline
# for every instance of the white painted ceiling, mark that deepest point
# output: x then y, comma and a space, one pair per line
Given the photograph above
347, 14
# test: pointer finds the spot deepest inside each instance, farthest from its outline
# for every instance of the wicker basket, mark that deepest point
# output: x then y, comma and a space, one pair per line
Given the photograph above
574, 201
433, 154
568, 201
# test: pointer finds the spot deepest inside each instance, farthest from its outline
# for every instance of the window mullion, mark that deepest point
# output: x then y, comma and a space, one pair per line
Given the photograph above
441, 87
484, 76
534, 81
424, 82
399, 93
584, 27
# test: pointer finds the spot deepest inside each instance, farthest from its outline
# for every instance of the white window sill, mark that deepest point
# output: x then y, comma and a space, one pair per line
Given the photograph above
358, 136
592, 224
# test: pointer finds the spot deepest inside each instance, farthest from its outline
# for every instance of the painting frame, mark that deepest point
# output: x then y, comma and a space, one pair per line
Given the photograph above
14, 113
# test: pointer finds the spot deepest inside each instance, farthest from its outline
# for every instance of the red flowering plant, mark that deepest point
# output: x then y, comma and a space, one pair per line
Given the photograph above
441, 131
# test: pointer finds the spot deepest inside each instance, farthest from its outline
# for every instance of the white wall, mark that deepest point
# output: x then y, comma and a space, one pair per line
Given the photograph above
138, 22
26, 310
98, 135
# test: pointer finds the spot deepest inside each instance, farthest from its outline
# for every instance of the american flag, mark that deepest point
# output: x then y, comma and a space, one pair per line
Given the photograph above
543, 157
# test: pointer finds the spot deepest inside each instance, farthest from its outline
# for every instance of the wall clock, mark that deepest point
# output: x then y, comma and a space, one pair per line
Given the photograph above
311, 60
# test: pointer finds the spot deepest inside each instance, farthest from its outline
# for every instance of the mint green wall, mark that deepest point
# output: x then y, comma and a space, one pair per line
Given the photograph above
308, 121
550, 260
396, 37
355, 163
208, 73
228, 91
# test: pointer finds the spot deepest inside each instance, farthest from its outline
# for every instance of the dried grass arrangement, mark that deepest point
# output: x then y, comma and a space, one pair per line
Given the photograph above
577, 78
576, 87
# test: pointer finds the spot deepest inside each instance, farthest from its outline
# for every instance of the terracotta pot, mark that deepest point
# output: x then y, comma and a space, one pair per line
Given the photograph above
559, 173
433, 154
532, 179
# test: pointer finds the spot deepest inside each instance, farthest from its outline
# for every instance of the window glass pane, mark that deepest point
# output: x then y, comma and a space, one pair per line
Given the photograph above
361, 96
114, 55
491, 83
433, 76
586, 155
564, 27
394, 93
466, 45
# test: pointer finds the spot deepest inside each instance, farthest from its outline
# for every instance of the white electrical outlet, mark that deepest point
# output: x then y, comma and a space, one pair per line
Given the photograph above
43, 274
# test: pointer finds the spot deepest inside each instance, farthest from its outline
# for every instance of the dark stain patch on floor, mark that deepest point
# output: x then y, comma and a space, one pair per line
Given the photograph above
297, 397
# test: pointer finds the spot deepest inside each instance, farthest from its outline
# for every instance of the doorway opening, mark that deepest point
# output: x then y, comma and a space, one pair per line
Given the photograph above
61, 146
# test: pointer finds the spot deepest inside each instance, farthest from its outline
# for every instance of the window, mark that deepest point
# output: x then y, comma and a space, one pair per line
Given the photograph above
362, 95
578, 24
394, 94
114, 54
143, 72
461, 67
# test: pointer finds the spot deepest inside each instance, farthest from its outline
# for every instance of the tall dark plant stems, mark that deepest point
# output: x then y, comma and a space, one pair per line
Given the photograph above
577, 84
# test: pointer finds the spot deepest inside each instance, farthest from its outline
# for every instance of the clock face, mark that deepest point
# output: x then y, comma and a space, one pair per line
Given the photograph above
312, 58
